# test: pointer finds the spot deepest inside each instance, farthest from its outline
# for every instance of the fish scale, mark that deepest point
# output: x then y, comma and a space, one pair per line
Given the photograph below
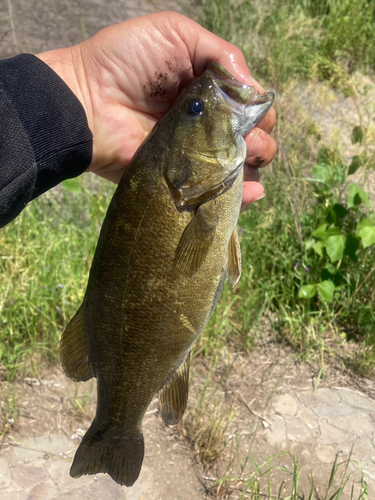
167, 242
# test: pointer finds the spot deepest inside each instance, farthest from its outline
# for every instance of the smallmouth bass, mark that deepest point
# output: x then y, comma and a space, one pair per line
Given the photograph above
168, 242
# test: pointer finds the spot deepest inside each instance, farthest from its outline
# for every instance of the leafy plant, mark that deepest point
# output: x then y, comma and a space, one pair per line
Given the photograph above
343, 233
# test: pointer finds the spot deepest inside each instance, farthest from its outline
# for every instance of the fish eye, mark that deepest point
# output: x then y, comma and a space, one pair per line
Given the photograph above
195, 107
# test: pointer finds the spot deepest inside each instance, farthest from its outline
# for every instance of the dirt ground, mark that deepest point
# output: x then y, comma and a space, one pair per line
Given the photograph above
269, 401
233, 421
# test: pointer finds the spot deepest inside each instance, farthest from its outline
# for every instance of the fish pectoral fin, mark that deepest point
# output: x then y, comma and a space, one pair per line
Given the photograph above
173, 396
234, 259
195, 242
74, 353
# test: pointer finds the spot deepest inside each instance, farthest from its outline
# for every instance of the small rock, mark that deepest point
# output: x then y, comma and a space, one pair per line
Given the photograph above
28, 476
285, 405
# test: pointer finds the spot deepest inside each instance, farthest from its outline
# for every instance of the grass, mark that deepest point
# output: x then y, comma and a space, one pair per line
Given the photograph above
45, 259
260, 484
286, 39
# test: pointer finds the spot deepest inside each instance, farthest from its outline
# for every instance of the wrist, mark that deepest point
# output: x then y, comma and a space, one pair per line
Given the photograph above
67, 63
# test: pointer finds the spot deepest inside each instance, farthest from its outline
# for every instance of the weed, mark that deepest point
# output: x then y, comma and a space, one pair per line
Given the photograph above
286, 39
9, 409
279, 478
205, 427
82, 400
44, 263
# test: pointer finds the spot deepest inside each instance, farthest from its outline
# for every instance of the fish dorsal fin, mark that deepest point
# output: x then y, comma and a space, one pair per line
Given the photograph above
73, 349
234, 259
173, 396
195, 242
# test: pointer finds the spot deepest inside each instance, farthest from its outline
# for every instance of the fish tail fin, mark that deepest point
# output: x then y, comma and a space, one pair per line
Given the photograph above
111, 451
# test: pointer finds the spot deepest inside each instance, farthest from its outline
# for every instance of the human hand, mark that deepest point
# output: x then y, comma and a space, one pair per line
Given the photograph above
128, 75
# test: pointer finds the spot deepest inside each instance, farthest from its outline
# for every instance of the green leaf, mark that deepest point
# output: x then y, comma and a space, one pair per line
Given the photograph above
332, 231
364, 197
331, 216
340, 210
318, 248
325, 290
71, 185
355, 164
307, 291
351, 247
367, 88
354, 199
335, 246
320, 231
309, 244
357, 134
321, 172
366, 231
331, 268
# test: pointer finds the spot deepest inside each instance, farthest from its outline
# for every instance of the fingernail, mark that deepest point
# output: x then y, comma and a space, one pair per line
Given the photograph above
255, 145
260, 197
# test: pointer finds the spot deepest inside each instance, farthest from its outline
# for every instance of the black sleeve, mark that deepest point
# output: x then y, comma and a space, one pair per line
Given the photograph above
44, 135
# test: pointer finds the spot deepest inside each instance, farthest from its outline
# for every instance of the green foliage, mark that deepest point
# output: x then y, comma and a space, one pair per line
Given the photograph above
337, 240
308, 247
262, 33
349, 33
285, 39
317, 276
44, 263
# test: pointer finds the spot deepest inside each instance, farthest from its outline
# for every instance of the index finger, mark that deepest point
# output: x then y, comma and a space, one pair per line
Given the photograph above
204, 47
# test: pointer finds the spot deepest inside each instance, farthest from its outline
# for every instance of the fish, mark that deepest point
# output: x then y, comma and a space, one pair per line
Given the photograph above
168, 242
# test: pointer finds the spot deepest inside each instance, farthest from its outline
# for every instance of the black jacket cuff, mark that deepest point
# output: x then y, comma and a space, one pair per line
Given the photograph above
44, 134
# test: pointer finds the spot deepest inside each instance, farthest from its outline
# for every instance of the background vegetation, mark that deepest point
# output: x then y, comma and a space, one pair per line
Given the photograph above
308, 246
45, 259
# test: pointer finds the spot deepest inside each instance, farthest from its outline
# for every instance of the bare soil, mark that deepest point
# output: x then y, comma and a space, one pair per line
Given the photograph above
224, 431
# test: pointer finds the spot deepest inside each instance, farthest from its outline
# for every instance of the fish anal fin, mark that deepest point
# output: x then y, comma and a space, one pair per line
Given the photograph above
234, 259
195, 242
173, 396
73, 349
110, 451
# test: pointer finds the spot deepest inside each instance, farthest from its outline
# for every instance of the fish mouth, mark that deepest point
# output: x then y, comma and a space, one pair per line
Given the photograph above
242, 99
249, 114
256, 109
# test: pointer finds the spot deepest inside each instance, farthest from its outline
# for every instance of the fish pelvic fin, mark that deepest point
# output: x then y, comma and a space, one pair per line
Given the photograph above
113, 452
195, 242
234, 259
74, 353
174, 395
